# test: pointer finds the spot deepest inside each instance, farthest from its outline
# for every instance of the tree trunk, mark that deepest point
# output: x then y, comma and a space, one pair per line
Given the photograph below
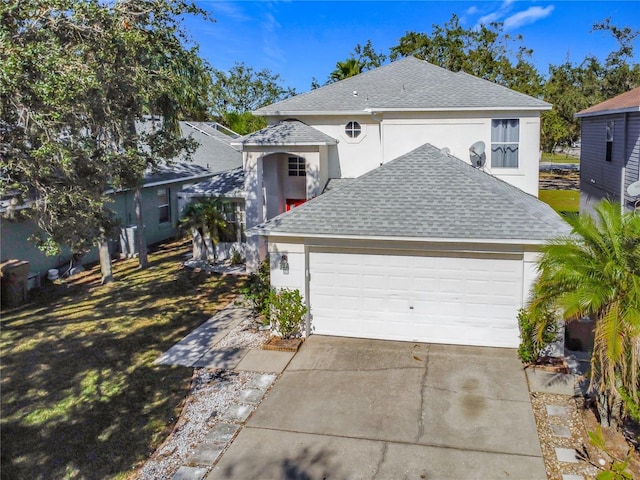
609, 409
142, 243
199, 252
105, 258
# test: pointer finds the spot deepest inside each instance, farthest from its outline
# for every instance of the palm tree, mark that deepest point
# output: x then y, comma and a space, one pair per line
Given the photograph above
349, 68
595, 272
206, 221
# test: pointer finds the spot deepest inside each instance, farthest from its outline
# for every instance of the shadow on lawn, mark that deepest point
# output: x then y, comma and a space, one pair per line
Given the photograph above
81, 397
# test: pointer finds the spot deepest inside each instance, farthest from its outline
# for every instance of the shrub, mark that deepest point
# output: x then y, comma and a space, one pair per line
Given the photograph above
287, 311
236, 257
535, 333
258, 289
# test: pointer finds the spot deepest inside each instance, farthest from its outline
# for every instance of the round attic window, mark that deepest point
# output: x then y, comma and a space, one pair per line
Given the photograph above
353, 129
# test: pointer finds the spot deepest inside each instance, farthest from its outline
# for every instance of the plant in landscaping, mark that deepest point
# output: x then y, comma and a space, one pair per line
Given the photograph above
617, 469
236, 257
595, 272
534, 335
258, 289
287, 311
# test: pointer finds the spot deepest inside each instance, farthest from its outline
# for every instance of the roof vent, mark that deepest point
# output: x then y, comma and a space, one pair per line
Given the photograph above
355, 93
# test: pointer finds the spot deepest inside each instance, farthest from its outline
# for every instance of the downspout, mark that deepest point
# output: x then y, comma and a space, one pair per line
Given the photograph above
307, 295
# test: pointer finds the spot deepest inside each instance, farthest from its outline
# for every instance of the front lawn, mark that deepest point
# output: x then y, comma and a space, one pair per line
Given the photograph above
562, 201
559, 158
81, 397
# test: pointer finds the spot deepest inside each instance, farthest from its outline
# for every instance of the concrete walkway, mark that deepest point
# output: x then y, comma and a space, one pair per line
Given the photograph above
199, 349
352, 408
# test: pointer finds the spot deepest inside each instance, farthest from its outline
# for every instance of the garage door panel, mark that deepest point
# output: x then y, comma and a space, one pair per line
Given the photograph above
462, 300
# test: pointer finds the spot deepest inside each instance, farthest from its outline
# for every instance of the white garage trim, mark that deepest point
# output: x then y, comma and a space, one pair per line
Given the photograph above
459, 298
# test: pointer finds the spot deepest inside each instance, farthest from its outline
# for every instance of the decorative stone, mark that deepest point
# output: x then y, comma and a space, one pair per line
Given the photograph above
190, 473
251, 395
222, 432
568, 455
237, 413
561, 431
557, 410
262, 382
572, 476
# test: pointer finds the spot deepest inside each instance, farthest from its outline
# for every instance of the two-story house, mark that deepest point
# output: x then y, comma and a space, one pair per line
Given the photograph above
430, 224
610, 151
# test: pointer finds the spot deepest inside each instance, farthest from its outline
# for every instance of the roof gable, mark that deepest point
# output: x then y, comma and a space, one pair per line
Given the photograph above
425, 194
286, 132
625, 102
407, 84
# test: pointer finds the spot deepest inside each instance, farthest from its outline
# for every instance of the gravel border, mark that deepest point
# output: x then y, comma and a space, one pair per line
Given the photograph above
211, 393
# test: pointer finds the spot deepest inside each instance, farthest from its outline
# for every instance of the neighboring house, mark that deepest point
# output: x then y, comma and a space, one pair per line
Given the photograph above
349, 128
610, 150
425, 248
228, 187
160, 215
161, 207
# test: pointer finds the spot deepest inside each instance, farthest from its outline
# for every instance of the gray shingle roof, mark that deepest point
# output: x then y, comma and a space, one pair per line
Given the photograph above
226, 184
175, 172
287, 132
334, 183
215, 151
406, 84
424, 194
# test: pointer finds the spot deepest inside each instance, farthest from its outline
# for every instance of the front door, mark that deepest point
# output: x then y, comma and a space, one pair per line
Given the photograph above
294, 202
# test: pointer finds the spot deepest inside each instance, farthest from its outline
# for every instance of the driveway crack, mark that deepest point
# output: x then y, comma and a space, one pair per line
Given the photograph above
382, 459
423, 384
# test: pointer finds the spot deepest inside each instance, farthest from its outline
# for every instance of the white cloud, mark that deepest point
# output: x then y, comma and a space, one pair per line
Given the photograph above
526, 17
229, 10
472, 10
502, 11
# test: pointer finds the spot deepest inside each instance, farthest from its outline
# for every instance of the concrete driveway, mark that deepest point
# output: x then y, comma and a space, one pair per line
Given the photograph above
367, 409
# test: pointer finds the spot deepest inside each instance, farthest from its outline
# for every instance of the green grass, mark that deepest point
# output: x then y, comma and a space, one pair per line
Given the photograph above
81, 397
562, 201
558, 158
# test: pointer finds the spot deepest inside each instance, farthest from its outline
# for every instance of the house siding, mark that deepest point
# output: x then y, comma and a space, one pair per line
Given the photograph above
632, 171
15, 235
600, 179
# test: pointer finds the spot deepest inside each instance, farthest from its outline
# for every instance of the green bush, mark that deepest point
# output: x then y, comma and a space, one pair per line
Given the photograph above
287, 311
535, 333
236, 257
258, 289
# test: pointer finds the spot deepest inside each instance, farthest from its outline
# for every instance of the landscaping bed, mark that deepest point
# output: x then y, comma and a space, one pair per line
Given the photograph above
81, 397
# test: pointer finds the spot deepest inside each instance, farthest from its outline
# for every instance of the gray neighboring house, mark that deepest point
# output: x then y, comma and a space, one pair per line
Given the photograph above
610, 151
425, 248
161, 207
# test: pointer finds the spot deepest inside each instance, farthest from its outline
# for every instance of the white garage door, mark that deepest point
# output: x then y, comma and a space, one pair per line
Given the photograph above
455, 299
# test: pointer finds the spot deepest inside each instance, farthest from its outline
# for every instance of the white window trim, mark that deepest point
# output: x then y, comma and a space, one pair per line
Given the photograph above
300, 169
511, 170
167, 205
359, 138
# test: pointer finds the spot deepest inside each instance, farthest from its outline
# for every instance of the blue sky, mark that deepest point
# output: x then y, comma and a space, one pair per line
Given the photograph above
303, 39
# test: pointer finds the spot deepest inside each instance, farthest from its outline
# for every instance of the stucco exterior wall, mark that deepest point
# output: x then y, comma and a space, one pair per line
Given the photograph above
390, 135
294, 249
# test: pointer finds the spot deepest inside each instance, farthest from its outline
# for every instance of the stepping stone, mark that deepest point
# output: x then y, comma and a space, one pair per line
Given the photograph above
265, 361
190, 473
261, 382
206, 454
557, 410
222, 433
237, 413
571, 476
568, 455
251, 395
225, 358
561, 431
